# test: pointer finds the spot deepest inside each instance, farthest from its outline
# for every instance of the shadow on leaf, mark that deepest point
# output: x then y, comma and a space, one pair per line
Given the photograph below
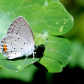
39, 54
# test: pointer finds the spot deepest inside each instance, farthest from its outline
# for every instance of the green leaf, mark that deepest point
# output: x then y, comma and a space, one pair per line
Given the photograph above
42, 16
78, 54
55, 0
26, 75
51, 0
53, 18
55, 60
16, 65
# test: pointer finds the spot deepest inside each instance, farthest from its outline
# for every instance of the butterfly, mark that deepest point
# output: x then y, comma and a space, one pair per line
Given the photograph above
19, 40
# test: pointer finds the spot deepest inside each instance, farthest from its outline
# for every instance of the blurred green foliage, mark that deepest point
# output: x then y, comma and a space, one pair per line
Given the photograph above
25, 75
77, 55
76, 34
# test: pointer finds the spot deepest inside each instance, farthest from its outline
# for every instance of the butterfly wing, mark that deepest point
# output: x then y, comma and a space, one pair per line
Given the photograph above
16, 46
19, 40
20, 27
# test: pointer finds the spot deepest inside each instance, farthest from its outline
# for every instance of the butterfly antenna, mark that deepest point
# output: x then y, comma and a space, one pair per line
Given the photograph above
38, 38
47, 47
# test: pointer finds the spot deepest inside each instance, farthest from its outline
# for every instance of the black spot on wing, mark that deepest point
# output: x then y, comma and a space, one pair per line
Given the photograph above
18, 38
15, 40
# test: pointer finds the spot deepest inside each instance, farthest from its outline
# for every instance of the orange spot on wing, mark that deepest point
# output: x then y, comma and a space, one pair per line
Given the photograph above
4, 47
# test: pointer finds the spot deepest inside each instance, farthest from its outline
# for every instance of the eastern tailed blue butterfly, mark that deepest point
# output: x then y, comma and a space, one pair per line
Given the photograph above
19, 40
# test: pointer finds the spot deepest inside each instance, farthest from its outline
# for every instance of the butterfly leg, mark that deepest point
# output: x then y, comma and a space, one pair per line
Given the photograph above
34, 54
26, 57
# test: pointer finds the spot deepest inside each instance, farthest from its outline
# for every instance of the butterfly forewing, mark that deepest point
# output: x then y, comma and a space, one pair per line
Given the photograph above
20, 27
